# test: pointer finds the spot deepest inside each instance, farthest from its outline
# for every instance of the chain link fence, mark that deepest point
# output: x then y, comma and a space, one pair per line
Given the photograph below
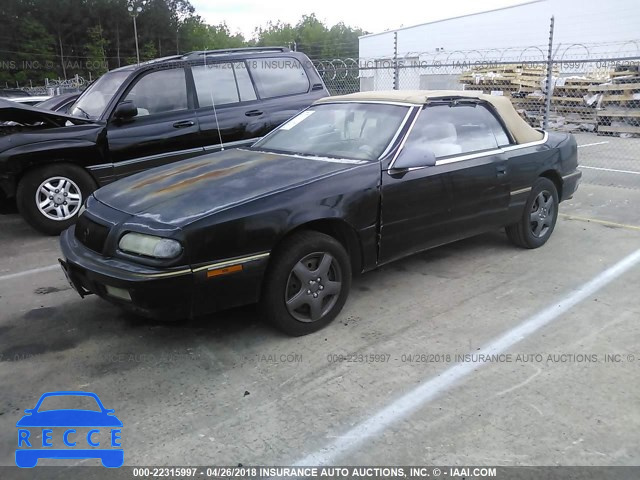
54, 86
596, 99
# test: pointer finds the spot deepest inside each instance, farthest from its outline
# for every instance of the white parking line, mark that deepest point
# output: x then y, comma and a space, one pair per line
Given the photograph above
609, 169
29, 272
592, 144
431, 388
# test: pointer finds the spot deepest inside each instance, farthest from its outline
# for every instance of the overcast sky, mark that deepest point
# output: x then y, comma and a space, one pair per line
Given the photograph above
244, 15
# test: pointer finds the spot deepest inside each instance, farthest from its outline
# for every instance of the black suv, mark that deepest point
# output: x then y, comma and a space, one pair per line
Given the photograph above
142, 116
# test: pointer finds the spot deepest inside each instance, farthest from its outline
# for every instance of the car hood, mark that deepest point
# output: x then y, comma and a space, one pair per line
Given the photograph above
27, 115
69, 418
183, 192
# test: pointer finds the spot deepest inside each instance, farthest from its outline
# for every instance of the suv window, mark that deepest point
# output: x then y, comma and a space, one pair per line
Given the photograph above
160, 91
245, 87
276, 77
222, 83
455, 130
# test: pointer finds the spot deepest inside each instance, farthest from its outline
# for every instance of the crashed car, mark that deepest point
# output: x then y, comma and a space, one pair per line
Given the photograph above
60, 103
142, 116
348, 185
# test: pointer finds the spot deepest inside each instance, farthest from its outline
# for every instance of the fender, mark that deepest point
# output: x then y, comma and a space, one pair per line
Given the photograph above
81, 151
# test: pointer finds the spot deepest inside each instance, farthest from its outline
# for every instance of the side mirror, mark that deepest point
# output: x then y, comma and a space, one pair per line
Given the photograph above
125, 110
413, 156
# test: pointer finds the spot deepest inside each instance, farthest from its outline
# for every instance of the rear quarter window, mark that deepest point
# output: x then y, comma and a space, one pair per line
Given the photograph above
457, 130
278, 76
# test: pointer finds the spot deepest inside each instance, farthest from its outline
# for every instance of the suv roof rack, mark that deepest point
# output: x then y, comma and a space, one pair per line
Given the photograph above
225, 51
162, 59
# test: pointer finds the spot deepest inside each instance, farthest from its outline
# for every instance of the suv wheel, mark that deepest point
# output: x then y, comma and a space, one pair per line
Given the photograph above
307, 283
539, 216
49, 198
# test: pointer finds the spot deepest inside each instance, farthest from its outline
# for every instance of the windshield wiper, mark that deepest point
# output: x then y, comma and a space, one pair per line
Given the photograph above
83, 112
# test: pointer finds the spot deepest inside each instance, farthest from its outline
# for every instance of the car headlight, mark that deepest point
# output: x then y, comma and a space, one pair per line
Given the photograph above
150, 246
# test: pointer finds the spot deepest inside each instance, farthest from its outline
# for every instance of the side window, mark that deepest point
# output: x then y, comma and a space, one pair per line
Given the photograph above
215, 83
456, 130
501, 136
245, 87
160, 91
222, 83
276, 77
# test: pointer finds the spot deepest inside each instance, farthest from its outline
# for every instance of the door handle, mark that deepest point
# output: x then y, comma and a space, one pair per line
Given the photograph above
501, 170
184, 124
253, 113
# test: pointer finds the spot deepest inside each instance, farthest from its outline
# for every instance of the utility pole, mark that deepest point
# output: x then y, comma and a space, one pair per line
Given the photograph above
134, 9
396, 72
118, 42
547, 103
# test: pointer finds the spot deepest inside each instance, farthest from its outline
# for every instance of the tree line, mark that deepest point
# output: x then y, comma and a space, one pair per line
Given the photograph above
63, 38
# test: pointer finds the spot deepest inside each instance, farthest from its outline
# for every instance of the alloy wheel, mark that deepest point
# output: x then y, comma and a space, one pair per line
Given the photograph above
313, 287
58, 198
542, 214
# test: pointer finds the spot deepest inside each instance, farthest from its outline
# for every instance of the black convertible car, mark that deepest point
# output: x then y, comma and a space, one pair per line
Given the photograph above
347, 185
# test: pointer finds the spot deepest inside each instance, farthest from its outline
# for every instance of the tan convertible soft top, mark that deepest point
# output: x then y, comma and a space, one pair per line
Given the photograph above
521, 131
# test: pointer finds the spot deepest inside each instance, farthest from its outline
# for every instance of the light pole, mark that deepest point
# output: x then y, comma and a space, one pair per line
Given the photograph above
134, 10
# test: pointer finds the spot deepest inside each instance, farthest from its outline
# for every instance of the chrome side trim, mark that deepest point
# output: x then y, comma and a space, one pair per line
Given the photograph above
471, 156
233, 261
544, 139
165, 274
496, 151
218, 146
468, 156
147, 158
159, 155
522, 190
179, 152
101, 166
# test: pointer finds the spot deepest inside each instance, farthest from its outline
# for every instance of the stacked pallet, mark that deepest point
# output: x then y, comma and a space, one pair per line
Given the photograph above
530, 106
619, 103
488, 80
609, 105
529, 101
531, 79
573, 107
521, 83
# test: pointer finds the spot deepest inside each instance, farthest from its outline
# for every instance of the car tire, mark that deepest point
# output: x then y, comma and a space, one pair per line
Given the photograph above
307, 283
42, 194
539, 216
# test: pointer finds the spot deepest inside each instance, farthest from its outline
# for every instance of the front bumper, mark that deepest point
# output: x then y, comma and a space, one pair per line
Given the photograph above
166, 294
171, 294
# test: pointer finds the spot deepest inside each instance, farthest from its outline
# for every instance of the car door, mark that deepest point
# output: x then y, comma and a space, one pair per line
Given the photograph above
283, 86
480, 173
466, 191
228, 108
165, 128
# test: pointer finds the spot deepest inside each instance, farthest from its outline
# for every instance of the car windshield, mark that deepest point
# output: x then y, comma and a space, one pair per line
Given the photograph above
360, 131
66, 402
93, 101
